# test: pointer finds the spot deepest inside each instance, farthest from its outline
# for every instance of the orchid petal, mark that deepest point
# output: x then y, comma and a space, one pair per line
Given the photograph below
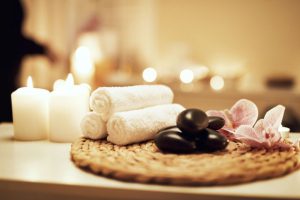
244, 112
247, 135
273, 117
259, 128
277, 136
229, 133
246, 131
229, 130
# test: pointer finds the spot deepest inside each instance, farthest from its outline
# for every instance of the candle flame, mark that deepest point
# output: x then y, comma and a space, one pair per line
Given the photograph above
69, 80
29, 82
82, 61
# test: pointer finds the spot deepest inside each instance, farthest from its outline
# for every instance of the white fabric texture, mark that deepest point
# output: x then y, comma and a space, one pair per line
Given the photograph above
93, 126
140, 125
108, 100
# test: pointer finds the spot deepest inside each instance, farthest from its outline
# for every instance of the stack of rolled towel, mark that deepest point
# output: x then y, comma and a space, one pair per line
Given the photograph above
127, 115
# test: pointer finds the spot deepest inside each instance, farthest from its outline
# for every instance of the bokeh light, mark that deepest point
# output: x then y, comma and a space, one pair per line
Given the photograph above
186, 76
217, 82
149, 74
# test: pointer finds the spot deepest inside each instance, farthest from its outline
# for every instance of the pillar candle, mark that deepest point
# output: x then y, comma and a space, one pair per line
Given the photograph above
30, 112
67, 106
284, 132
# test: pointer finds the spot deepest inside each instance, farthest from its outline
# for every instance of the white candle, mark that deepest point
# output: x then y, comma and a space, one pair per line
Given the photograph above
67, 106
30, 112
58, 84
284, 131
83, 66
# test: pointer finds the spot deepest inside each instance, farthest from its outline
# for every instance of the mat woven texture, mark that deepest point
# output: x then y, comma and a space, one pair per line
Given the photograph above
144, 163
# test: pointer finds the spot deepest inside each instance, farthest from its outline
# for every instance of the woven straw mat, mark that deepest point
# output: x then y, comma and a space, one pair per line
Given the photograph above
144, 163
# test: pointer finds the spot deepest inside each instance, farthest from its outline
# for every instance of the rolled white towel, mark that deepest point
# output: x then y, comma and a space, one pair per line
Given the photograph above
140, 125
93, 126
108, 100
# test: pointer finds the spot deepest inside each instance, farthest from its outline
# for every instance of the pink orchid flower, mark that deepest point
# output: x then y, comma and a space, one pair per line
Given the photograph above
243, 112
265, 133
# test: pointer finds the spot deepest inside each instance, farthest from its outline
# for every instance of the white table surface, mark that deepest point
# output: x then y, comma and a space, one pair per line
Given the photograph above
43, 170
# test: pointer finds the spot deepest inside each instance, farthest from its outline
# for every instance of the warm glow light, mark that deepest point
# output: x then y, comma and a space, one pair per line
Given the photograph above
186, 76
83, 66
92, 41
217, 82
201, 72
70, 80
29, 82
149, 74
228, 69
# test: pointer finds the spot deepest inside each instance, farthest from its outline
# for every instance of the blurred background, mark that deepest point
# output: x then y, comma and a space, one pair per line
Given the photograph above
211, 52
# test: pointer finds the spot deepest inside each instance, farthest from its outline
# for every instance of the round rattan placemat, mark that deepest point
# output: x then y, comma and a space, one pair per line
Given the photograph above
144, 163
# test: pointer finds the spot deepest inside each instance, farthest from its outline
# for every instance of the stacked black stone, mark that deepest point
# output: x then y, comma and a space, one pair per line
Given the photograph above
195, 132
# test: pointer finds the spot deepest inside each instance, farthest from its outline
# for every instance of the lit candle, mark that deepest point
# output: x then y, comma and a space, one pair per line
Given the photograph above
58, 84
30, 112
83, 66
67, 105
